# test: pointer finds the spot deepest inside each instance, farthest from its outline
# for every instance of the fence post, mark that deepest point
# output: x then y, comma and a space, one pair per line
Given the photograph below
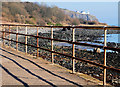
52, 54
73, 50
26, 40
105, 38
37, 44
9, 37
17, 38
3, 35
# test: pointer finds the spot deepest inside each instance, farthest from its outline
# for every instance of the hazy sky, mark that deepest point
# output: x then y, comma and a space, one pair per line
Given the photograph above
72, 0
106, 12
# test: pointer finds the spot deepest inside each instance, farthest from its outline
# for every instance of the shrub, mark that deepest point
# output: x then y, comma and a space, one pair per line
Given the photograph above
75, 22
58, 24
28, 22
91, 22
49, 23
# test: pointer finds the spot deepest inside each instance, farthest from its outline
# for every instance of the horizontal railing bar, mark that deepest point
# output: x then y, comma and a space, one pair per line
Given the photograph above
84, 27
83, 60
77, 43
111, 48
70, 42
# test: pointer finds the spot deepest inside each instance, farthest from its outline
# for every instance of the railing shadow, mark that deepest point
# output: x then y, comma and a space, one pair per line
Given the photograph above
39, 67
28, 70
15, 77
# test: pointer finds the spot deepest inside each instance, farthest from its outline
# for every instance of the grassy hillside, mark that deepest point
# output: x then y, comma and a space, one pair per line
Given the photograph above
33, 13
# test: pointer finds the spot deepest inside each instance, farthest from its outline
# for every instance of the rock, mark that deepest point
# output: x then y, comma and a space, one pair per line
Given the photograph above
96, 50
116, 81
87, 17
66, 29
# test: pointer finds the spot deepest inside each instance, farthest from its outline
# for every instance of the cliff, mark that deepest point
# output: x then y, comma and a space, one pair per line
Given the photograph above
87, 17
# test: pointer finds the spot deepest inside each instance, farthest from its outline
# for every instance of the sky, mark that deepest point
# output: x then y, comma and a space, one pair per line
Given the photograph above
106, 12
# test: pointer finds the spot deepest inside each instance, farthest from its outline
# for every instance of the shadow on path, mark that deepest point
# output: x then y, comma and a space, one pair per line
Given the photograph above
15, 77
28, 70
43, 68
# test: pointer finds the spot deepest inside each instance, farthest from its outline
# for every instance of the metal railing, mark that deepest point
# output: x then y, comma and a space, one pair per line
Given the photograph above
105, 47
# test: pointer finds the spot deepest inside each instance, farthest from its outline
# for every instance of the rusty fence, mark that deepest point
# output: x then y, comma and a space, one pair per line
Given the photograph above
105, 47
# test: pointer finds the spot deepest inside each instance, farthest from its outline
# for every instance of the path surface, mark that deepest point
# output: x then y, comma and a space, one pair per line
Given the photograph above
20, 69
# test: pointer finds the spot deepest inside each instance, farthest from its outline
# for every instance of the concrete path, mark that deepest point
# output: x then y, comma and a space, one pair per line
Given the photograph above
21, 69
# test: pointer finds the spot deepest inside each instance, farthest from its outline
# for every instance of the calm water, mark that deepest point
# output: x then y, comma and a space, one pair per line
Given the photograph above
110, 38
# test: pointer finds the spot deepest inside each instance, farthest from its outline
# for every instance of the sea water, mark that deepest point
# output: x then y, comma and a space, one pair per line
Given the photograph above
110, 38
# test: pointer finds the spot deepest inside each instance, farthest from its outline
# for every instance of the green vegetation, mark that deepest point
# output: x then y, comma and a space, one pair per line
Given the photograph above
58, 24
92, 22
49, 23
34, 13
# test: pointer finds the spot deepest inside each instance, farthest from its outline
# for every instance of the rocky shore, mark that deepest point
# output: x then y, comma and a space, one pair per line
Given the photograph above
80, 35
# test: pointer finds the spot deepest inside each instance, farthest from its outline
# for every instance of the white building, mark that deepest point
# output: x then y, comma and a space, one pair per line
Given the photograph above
88, 12
83, 12
77, 11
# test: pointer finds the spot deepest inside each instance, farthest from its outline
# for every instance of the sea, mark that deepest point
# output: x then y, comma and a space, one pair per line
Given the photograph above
110, 38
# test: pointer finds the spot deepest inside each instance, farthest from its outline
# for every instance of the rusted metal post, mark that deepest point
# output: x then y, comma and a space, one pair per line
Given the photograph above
37, 44
73, 50
9, 37
105, 40
26, 40
52, 54
3, 35
17, 38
